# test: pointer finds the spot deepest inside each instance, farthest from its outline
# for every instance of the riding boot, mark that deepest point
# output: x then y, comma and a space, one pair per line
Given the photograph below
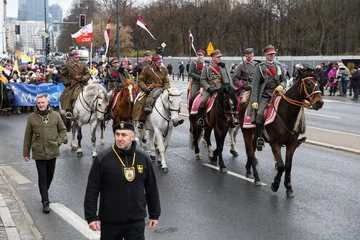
199, 119
260, 142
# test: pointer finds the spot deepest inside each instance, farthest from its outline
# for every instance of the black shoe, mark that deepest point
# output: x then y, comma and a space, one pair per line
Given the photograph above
46, 207
353, 99
200, 122
260, 143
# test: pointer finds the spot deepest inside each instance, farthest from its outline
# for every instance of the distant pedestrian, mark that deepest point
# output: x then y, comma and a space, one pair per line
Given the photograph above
181, 71
356, 83
170, 69
125, 180
44, 133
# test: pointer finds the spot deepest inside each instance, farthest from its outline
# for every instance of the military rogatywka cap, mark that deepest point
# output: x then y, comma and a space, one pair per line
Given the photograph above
158, 58
269, 49
147, 53
249, 50
124, 126
200, 51
216, 53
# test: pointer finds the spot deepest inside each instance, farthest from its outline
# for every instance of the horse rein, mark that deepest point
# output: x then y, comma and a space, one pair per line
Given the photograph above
310, 96
97, 97
169, 110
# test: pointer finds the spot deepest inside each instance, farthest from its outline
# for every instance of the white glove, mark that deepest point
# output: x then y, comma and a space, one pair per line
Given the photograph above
254, 105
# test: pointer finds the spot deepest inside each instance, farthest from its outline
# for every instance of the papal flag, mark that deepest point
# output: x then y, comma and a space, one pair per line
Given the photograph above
141, 24
107, 35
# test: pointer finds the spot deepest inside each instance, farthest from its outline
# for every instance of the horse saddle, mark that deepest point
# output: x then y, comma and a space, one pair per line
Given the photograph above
196, 103
269, 114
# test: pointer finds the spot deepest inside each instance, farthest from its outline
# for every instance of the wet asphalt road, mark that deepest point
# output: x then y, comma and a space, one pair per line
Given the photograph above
200, 203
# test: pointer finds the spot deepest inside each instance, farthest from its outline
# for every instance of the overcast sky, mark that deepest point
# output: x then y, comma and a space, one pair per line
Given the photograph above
12, 6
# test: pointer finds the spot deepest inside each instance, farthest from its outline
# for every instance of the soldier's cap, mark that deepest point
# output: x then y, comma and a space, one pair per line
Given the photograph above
123, 126
74, 54
158, 58
249, 50
200, 51
269, 49
216, 53
114, 60
148, 53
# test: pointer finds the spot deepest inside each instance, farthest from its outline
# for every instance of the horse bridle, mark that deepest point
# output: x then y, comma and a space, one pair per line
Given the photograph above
168, 110
97, 97
310, 96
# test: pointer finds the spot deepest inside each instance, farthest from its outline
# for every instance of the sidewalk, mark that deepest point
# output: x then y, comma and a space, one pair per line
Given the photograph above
15, 221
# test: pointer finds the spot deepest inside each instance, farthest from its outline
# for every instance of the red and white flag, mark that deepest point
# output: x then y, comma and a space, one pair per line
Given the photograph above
191, 39
84, 35
107, 35
141, 24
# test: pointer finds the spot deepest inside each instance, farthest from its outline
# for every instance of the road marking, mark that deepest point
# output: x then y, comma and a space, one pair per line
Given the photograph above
333, 131
6, 217
233, 174
15, 175
73, 219
12, 233
322, 115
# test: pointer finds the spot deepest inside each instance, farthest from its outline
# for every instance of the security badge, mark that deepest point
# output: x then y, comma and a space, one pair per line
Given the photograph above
129, 173
140, 168
45, 121
121, 125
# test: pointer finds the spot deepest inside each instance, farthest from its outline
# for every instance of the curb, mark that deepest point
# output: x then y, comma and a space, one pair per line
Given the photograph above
331, 146
23, 208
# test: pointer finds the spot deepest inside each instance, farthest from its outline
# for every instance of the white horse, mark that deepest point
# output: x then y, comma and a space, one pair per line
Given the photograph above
160, 123
89, 107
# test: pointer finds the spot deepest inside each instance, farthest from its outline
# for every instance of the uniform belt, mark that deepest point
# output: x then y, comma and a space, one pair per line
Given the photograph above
270, 88
154, 85
215, 80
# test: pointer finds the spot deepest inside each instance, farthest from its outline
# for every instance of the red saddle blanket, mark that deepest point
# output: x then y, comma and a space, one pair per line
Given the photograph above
197, 101
113, 104
270, 114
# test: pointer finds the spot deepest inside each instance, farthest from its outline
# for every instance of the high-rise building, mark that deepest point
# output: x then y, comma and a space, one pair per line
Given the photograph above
56, 13
33, 10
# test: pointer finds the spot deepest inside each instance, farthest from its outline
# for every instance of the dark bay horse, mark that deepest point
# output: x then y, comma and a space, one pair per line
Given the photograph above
220, 118
285, 130
124, 103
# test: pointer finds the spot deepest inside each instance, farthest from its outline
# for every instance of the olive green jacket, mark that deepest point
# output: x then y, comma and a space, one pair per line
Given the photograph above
44, 139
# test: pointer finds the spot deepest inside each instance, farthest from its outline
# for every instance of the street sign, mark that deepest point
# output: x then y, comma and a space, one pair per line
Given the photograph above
46, 35
209, 49
102, 48
163, 45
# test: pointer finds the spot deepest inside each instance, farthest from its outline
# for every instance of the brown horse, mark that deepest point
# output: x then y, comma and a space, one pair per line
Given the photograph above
219, 118
285, 130
124, 103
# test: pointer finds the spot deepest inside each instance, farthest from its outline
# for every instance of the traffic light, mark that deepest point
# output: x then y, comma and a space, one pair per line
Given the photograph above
17, 29
160, 51
82, 20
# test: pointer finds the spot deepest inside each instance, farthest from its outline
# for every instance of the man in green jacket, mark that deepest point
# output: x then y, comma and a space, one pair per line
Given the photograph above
268, 76
44, 133
196, 67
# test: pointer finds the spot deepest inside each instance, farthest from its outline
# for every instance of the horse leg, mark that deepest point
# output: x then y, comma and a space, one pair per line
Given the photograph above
251, 159
73, 131
79, 152
219, 147
233, 132
207, 135
161, 147
276, 149
288, 164
196, 135
93, 138
152, 145
102, 128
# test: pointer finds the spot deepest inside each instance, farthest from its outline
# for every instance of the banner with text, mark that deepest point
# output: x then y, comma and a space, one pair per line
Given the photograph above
25, 93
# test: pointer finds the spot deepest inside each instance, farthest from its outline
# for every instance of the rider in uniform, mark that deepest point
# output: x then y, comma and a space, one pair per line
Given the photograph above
196, 67
213, 76
267, 77
245, 70
146, 62
74, 74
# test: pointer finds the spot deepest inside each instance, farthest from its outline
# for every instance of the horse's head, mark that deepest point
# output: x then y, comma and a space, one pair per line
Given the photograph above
100, 101
227, 97
130, 91
173, 99
307, 82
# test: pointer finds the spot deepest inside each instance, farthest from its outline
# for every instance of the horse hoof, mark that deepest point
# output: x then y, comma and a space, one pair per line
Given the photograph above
73, 148
257, 183
273, 188
152, 157
290, 194
164, 170
234, 153
213, 163
102, 142
198, 156
249, 175
223, 170
79, 154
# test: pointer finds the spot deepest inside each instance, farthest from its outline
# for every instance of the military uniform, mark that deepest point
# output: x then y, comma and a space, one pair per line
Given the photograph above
213, 76
244, 73
151, 79
195, 70
267, 76
145, 62
73, 75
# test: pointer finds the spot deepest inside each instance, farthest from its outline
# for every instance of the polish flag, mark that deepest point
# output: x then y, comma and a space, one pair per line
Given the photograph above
84, 35
191, 38
141, 24
107, 35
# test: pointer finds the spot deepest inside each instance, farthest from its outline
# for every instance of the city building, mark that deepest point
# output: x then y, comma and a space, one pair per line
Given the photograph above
56, 13
33, 10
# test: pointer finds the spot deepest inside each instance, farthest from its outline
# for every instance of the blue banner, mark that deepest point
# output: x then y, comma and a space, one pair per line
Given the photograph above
25, 93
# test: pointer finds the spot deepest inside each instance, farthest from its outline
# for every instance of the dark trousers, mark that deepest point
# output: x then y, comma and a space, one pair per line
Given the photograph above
126, 231
356, 93
46, 169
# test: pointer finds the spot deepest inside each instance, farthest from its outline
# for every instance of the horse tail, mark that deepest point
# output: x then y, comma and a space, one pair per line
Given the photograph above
300, 124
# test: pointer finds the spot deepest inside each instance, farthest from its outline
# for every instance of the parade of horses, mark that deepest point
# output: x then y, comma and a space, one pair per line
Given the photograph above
206, 132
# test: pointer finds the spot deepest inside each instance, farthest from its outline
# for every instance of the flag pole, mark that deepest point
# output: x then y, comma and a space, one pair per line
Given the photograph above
189, 54
91, 53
